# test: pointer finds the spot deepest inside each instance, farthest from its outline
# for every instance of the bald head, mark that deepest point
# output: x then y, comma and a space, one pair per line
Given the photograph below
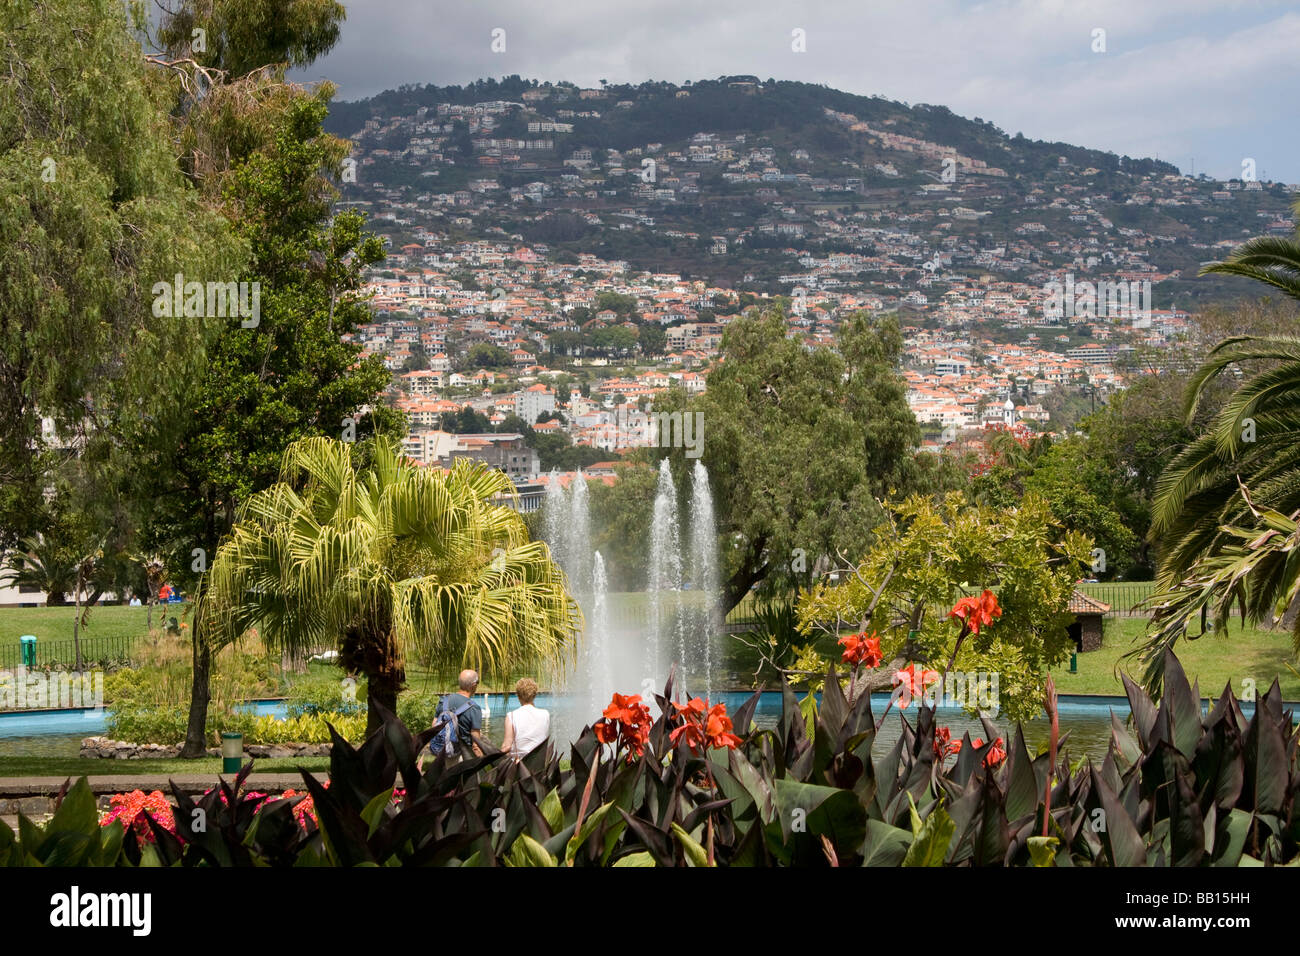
468, 680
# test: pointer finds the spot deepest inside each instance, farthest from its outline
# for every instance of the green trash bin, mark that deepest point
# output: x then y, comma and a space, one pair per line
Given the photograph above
232, 752
29, 649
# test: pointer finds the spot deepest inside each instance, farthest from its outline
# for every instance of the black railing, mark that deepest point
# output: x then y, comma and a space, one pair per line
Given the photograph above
63, 653
1122, 596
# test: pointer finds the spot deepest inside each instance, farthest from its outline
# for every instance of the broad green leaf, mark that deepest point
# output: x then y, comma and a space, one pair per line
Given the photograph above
528, 852
808, 707
553, 810
589, 826
1231, 837
696, 855
373, 814
149, 856
884, 845
644, 858
77, 813
930, 837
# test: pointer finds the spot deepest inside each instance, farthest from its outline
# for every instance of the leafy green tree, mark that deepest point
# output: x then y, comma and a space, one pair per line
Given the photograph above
240, 36
1081, 490
466, 422
93, 212
620, 520
616, 302
799, 445
652, 339
255, 148
486, 355
927, 555
613, 340
387, 560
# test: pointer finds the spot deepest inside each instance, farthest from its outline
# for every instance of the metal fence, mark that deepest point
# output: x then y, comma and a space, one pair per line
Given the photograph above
94, 651
1122, 596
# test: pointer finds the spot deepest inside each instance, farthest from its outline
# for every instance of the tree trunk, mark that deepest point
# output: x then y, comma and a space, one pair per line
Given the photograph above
876, 679
200, 695
1288, 617
382, 689
385, 676
76, 625
752, 570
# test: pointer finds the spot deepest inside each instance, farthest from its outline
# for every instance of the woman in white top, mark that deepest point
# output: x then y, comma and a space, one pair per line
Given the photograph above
527, 727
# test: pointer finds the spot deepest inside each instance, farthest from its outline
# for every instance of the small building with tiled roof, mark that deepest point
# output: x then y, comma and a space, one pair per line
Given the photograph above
1087, 627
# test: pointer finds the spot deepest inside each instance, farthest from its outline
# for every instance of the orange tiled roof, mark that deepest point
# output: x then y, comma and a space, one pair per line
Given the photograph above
1081, 603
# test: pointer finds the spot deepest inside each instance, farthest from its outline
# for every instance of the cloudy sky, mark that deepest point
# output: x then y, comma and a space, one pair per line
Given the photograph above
1204, 84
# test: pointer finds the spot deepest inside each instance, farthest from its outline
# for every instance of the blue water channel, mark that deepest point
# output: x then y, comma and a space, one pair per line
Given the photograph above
1087, 719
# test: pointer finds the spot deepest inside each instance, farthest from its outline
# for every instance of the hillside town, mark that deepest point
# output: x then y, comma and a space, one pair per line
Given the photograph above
1011, 289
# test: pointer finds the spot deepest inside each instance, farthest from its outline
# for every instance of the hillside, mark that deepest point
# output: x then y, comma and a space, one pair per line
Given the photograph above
735, 180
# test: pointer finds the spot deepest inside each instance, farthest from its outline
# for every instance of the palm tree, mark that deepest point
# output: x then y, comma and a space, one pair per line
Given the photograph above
1273, 260
44, 564
1226, 508
385, 559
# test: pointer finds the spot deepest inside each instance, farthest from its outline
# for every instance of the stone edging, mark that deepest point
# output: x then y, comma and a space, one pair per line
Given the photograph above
104, 748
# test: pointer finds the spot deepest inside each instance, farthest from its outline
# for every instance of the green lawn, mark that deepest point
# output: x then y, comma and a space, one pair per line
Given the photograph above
55, 623
77, 766
1214, 660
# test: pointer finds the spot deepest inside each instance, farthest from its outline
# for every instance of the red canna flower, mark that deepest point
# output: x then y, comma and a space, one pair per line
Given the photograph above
718, 728
703, 726
606, 731
912, 682
994, 755
692, 733
977, 612
944, 745
859, 649
626, 722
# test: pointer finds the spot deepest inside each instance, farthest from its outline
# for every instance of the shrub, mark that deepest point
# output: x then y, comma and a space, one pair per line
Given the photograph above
324, 698
167, 725
416, 710
148, 725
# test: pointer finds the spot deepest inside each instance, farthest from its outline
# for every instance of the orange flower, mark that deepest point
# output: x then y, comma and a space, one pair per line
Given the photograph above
994, 755
703, 726
911, 684
944, 745
862, 650
718, 728
977, 612
625, 722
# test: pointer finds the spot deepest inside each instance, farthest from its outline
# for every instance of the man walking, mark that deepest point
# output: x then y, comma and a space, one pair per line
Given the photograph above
461, 707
